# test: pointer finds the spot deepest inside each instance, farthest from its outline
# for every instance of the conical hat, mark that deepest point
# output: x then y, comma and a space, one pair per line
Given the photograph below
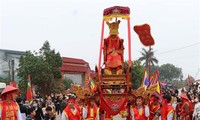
8, 88
184, 96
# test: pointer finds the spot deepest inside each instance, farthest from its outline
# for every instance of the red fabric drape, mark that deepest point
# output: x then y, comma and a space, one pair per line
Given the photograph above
112, 108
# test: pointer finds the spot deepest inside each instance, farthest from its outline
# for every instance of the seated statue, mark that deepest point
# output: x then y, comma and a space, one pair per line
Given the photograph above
113, 50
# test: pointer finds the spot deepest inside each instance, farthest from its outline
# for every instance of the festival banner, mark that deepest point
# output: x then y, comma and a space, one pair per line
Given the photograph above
91, 85
28, 90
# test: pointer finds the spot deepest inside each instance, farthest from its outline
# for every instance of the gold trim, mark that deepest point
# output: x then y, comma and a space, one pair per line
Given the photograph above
109, 17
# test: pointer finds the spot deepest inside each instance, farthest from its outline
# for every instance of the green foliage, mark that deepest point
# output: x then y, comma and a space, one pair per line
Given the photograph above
169, 72
67, 83
43, 67
153, 69
176, 84
4, 80
58, 87
22, 86
137, 74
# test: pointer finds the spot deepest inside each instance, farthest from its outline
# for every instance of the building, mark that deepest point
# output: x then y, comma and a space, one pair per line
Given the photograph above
75, 69
9, 62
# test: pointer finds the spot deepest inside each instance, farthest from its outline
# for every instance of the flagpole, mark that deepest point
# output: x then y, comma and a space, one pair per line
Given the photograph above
149, 61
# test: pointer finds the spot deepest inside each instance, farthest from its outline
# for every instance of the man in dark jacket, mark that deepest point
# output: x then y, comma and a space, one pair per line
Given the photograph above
22, 107
31, 114
63, 104
39, 113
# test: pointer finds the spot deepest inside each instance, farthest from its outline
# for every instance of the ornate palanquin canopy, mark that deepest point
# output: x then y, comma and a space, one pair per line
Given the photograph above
115, 12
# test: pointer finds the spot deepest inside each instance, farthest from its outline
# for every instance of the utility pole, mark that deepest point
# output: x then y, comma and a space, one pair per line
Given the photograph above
13, 70
9, 70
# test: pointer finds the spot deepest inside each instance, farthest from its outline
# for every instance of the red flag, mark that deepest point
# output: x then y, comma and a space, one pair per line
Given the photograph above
28, 91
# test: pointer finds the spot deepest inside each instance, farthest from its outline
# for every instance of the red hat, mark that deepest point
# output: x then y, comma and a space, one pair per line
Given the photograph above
9, 88
184, 96
71, 98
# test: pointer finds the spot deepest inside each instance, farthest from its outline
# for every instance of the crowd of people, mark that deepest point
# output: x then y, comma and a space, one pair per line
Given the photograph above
43, 108
171, 105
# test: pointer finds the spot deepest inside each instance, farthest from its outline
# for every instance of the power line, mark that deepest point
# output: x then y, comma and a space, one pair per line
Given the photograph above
173, 50
179, 57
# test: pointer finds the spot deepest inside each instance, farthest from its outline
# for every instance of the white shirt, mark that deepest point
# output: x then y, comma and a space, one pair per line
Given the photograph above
196, 110
170, 116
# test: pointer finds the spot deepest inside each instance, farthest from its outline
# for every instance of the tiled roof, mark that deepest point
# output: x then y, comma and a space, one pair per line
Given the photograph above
73, 65
73, 60
71, 68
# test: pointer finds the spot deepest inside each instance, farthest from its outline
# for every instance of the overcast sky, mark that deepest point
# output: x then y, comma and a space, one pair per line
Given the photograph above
73, 28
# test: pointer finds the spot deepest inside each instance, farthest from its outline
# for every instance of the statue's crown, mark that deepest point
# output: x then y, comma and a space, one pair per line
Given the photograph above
114, 26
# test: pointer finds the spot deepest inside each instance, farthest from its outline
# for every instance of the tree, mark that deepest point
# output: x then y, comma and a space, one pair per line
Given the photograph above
67, 83
5, 80
148, 58
137, 74
43, 67
154, 68
169, 72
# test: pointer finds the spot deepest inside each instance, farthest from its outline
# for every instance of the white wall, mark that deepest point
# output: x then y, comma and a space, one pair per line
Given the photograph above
76, 78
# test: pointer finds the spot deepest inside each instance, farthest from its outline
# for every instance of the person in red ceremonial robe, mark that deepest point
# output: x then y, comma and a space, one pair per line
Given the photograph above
178, 108
105, 116
91, 111
185, 111
9, 109
113, 50
154, 106
108, 117
140, 111
167, 111
125, 111
72, 111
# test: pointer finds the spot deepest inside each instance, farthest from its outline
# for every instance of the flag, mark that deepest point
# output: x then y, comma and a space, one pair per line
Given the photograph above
33, 91
155, 78
154, 81
145, 81
151, 81
158, 88
91, 84
157, 81
28, 90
